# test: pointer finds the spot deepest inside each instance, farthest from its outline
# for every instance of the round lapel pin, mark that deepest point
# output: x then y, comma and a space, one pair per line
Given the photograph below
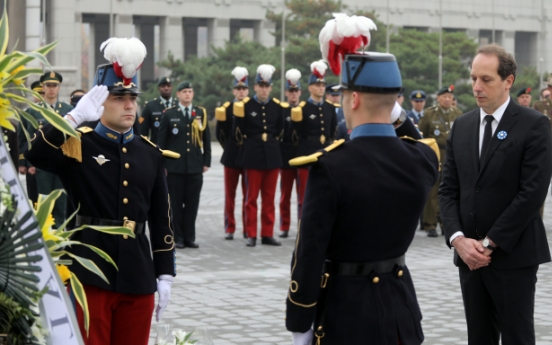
502, 135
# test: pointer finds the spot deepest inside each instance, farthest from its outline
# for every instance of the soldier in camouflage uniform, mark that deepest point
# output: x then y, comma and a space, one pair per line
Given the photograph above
436, 123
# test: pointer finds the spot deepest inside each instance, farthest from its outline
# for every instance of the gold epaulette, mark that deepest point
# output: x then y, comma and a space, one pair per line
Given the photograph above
313, 158
431, 142
239, 109
72, 146
284, 104
165, 153
297, 112
276, 100
334, 104
220, 113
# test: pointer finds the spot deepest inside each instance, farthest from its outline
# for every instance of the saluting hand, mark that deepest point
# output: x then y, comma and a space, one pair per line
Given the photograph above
90, 107
472, 252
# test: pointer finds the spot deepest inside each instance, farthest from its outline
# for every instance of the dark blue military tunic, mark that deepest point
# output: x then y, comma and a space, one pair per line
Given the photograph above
121, 177
226, 139
316, 127
363, 203
151, 116
290, 141
258, 128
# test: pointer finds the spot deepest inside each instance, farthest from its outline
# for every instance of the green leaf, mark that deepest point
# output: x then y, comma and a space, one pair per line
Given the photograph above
80, 296
22, 58
4, 31
26, 72
111, 230
96, 250
45, 205
89, 265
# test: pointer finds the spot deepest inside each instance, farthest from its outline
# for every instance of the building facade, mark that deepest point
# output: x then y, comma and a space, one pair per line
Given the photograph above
190, 27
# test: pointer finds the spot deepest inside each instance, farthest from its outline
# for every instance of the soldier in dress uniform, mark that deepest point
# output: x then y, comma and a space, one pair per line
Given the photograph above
288, 148
24, 167
348, 274
47, 182
545, 106
524, 97
151, 117
436, 123
417, 100
184, 129
258, 126
118, 179
314, 122
232, 171
333, 95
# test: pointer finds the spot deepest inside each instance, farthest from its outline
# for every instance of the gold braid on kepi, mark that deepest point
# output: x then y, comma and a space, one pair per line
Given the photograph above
197, 129
304, 160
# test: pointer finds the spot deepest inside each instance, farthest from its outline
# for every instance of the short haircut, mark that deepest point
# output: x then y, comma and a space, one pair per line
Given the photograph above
506, 63
76, 91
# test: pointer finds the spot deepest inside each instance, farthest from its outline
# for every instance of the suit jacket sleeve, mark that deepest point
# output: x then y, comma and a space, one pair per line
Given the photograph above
162, 134
536, 169
449, 192
313, 237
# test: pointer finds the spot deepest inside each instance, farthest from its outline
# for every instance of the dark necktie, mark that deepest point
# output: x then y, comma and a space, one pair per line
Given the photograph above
167, 104
186, 114
487, 135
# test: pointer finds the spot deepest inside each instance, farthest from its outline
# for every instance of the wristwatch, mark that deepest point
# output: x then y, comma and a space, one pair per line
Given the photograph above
487, 244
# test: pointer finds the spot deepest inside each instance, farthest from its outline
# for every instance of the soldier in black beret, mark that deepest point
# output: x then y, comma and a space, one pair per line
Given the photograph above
349, 280
115, 178
47, 182
153, 112
232, 171
314, 123
258, 126
524, 97
185, 129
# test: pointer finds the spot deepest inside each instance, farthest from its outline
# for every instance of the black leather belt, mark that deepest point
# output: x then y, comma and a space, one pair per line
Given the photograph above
138, 228
363, 269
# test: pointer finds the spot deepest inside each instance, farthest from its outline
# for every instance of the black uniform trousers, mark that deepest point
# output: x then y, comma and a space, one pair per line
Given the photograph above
184, 191
499, 302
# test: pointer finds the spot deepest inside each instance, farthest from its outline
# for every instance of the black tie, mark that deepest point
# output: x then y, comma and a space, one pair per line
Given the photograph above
487, 135
186, 113
167, 104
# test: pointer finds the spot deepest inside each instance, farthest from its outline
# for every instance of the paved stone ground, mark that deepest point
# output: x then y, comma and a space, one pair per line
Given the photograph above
238, 293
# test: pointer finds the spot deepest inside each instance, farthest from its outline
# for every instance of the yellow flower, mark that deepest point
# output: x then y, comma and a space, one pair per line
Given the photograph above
47, 232
63, 272
18, 81
5, 115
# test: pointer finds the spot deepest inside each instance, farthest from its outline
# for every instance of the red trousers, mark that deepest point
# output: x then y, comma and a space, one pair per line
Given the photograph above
115, 318
265, 182
287, 176
231, 179
302, 175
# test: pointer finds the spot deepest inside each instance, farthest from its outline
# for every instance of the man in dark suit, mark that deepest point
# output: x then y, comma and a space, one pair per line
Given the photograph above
184, 129
495, 179
348, 277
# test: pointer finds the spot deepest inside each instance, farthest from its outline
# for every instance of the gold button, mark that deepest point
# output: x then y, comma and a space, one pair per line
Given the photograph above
321, 115
187, 133
322, 128
188, 150
320, 108
264, 120
263, 107
125, 183
322, 121
375, 280
125, 201
264, 127
400, 273
127, 165
264, 114
125, 218
187, 125
124, 150
175, 124
188, 142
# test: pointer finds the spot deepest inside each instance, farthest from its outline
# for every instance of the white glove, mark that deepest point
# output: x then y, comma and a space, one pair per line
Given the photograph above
164, 290
90, 107
302, 338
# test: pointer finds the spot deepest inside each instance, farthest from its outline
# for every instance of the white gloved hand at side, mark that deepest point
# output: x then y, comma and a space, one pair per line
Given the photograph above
302, 338
164, 284
90, 107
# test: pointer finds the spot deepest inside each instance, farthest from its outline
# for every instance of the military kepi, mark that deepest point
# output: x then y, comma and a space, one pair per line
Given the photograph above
51, 77
524, 91
121, 78
371, 72
292, 79
37, 86
418, 95
264, 75
318, 69
240, 77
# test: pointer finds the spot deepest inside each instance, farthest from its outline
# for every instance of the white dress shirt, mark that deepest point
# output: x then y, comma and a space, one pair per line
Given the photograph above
183, 108
482, 123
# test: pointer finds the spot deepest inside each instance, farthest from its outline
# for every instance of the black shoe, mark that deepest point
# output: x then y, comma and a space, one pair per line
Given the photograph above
244, 234
229, 236
191, 245
179, 245
270, 241
284, 234
251, 242
432, 233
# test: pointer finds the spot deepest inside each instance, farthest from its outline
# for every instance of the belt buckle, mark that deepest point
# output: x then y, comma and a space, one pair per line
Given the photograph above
264, 137
322, 139
129, 224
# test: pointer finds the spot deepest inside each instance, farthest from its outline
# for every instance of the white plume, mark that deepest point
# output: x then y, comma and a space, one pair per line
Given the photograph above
266, 71
239, 73
396, 112
320, 66
293, 75
129, 53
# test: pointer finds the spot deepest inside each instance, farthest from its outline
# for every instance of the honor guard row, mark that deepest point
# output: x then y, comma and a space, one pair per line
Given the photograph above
114, 178
545, 105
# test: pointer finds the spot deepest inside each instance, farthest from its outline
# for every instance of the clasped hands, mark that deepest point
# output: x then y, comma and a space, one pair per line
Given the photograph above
472, 252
